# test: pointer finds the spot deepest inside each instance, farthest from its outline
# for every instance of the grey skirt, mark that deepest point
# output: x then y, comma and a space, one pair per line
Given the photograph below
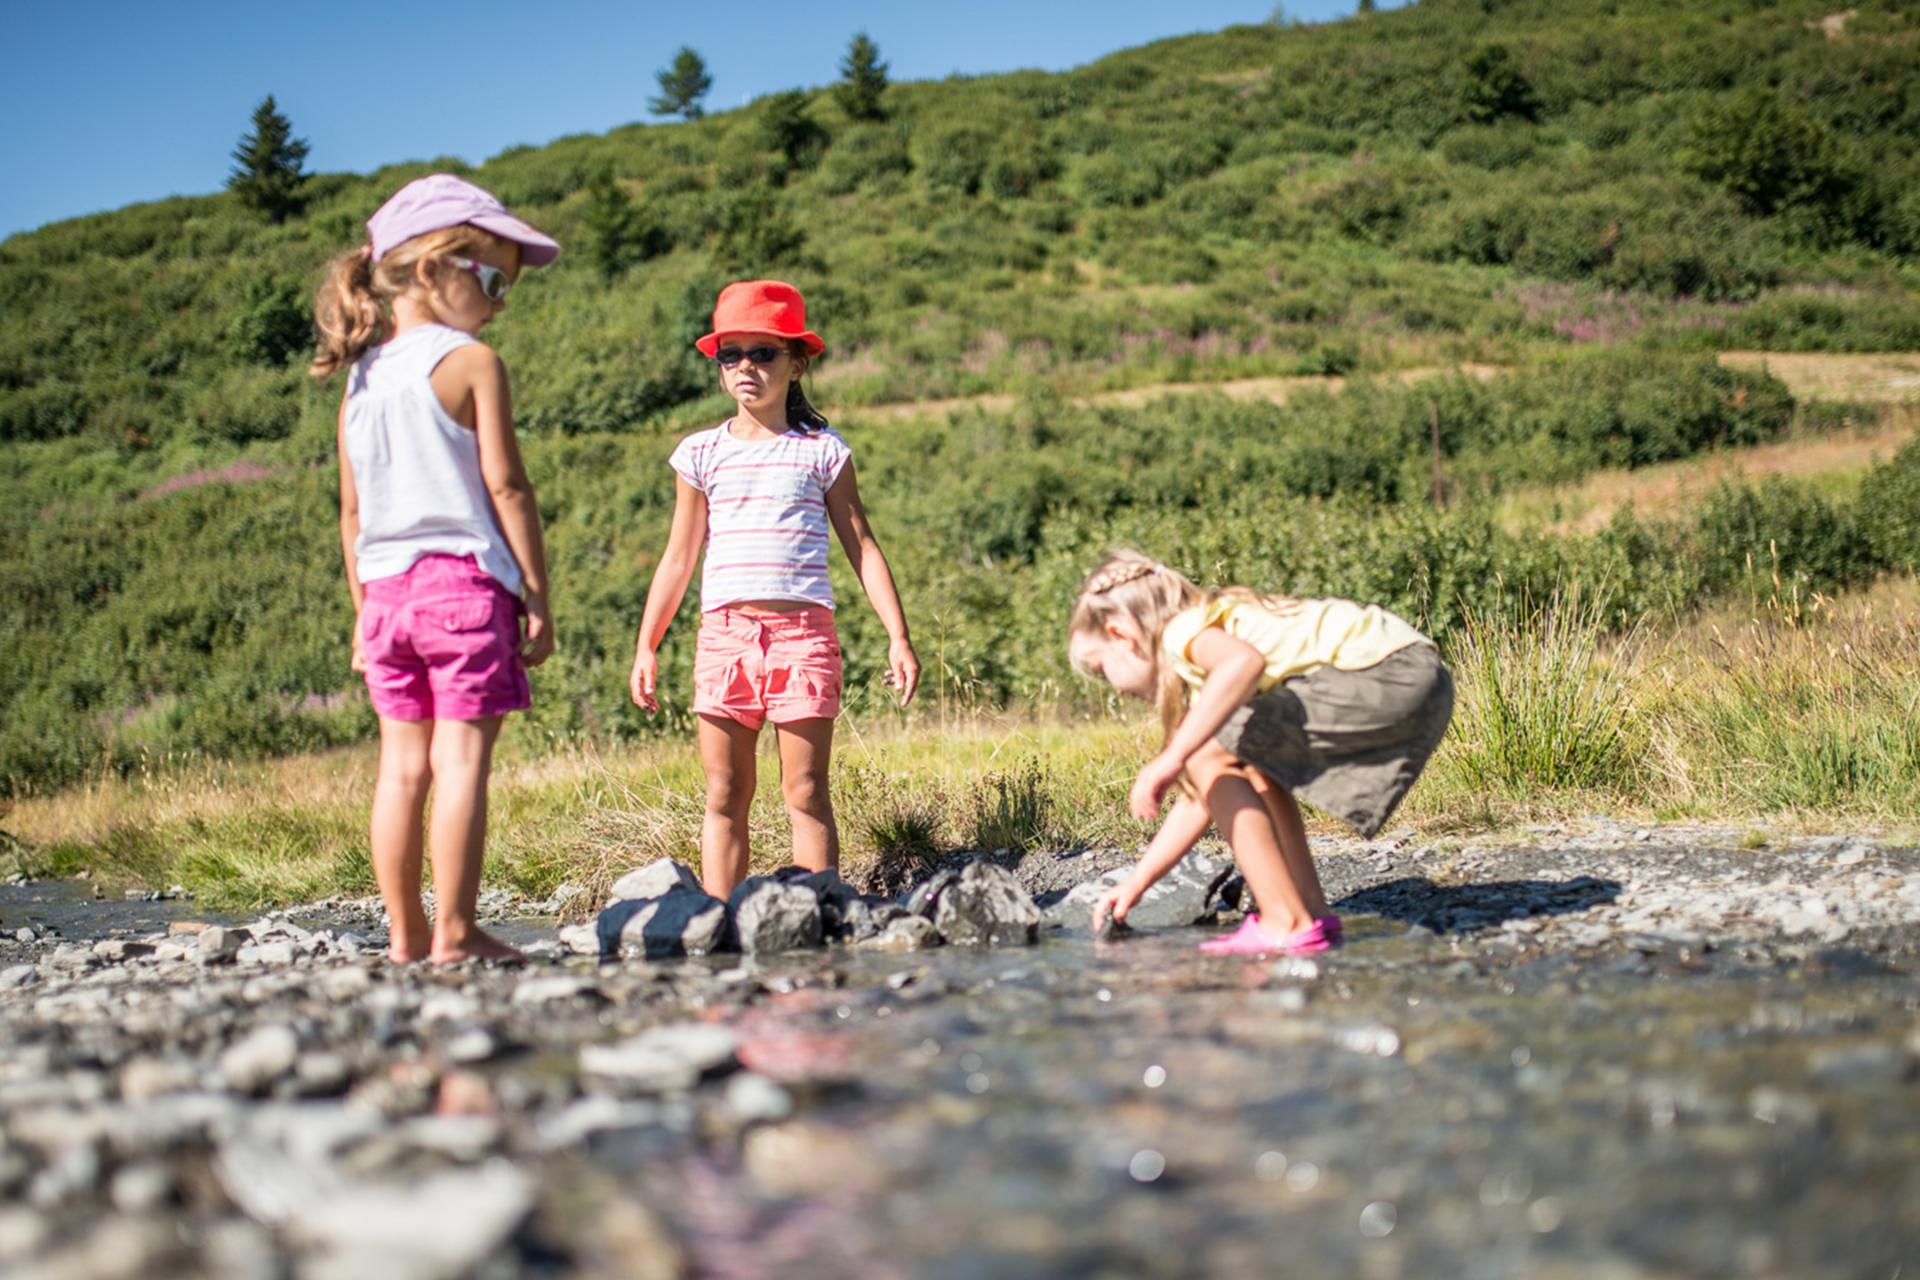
1350, 742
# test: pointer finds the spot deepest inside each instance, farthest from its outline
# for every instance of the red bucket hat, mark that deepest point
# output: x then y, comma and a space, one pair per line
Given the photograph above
761, 306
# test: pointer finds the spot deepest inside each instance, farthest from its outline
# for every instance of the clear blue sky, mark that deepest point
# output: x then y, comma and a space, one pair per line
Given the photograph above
108, 102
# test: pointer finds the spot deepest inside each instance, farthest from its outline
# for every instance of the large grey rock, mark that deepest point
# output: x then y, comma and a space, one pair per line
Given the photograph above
655, 880
769, 916
924, 900
1184, 896
679, 922
661, 1059
986, 906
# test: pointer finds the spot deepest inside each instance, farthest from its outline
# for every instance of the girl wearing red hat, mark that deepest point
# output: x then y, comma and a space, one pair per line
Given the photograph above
759, 493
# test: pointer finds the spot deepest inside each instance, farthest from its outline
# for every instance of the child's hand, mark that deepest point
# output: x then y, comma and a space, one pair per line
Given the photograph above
903, 669
359, 659
646, 674
1150, 787
538, 646
1117, 901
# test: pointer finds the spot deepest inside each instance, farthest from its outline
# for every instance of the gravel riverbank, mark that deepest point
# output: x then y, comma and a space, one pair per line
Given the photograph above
1595, 1051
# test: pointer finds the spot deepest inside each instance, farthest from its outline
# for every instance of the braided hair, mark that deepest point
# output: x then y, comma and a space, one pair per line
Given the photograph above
1148, 594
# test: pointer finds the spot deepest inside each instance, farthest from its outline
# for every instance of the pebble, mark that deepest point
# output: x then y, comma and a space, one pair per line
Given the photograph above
264, 1055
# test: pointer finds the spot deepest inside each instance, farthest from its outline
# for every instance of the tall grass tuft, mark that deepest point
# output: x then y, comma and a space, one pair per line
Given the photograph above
1012, 809
1809, 707
1545, 702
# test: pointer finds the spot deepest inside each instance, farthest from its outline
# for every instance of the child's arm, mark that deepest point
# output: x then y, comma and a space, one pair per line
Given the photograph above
350, 534
1233, 669
1186, 822
512, 492
870, 566
670, 579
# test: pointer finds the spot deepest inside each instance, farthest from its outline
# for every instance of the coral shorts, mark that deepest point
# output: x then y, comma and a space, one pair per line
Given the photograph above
442, 642
756, 667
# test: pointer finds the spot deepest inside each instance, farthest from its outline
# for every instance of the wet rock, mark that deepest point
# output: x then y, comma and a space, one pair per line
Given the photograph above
120, 950
679, 922
145, 1079
558, 987
253, 1063
142, 1188
655, 880
754, 1099
906, 933
406, 1231
581, 939
344, 984
322, 1075
217, 943
769, 916
662, 1058
71, 958
277, 953
1184, 896
598, 1113
986, 906
925, 898
19, 975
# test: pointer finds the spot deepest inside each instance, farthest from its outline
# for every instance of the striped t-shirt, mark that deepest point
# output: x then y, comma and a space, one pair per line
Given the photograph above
766, 512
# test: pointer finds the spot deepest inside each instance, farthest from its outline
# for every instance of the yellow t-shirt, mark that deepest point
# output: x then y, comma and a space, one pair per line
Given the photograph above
1294, 638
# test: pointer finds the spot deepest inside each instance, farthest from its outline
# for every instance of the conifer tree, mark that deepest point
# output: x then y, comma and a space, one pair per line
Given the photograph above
682, 85
267, 164
863, 78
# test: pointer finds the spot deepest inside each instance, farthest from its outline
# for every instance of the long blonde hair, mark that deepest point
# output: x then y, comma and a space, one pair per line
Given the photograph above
354, 305
1134, 585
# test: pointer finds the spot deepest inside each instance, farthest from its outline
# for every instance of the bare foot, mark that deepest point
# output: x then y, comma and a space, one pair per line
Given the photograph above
476, 945
398, 954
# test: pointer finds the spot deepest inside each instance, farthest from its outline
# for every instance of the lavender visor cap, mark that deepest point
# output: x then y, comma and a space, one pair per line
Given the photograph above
441, 200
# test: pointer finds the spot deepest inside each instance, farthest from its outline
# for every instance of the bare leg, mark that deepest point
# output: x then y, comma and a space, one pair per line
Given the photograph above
399, 803
1292, 830
726, 752
457, 839
805, 749
1244, 821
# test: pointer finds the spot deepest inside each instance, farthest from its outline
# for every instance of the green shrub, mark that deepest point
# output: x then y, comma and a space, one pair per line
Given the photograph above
1889, 509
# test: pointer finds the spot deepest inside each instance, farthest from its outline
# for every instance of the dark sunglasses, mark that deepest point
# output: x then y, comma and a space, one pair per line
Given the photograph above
493, 281
727, 357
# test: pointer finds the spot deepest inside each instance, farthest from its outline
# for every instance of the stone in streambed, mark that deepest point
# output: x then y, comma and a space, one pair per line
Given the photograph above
655, 880
1184, 896
986, 906
904, 933
769, 916
680, 922
661, 1059
252, 1063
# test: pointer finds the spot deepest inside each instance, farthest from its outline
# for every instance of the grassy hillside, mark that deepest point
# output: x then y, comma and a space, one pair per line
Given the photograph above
1599, 195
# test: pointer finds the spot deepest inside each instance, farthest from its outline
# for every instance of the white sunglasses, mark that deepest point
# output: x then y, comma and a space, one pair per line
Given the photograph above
493, 281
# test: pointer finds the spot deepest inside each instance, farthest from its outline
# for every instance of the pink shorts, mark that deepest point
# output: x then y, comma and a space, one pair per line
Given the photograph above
756, 667
442, 642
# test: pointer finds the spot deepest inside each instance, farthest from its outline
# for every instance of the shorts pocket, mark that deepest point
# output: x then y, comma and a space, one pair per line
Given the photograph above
462, 615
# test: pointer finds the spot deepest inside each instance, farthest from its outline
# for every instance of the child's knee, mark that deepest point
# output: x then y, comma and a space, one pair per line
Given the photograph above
806, 794
1211, 763
728, 794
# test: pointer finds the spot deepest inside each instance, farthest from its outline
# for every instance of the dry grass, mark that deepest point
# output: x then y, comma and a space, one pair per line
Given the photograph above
1784, 712
1837, 462
1884, 377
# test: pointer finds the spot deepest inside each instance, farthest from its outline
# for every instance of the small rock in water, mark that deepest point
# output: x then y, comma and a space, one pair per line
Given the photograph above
557, 987
662, 1058
769, 916
217, 943
987, 906
907, 933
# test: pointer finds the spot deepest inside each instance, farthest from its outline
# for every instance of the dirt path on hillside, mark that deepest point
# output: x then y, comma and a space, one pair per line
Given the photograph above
1882, 377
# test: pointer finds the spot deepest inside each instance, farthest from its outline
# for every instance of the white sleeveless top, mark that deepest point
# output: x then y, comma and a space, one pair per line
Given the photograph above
416, 470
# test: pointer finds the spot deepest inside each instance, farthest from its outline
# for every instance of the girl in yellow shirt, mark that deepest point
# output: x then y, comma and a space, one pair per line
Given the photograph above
1261, 696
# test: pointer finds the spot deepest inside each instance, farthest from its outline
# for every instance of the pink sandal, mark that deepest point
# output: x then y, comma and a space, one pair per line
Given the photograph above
1251, 939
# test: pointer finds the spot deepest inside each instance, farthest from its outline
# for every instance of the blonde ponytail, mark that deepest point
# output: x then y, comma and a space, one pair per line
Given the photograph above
352, 307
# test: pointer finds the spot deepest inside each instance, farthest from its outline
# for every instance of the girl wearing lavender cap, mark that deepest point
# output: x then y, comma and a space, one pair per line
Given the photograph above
444, 554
